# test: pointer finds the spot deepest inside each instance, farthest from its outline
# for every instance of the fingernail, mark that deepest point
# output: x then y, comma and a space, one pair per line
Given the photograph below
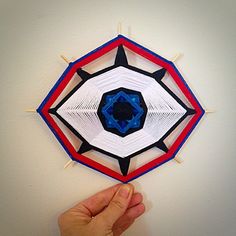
124, 191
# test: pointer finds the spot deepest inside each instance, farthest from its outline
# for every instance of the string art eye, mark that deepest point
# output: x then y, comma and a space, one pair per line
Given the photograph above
122, 111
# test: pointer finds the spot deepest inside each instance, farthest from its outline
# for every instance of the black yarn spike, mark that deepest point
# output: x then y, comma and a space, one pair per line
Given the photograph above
121, 59
161, 145
84, 148
124, 165
190, 111
83, 74
159, 74
52, 111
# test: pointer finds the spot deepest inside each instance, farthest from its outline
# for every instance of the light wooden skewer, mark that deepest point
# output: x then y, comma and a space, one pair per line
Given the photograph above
178, 160
176, 57
129, 31
65, 59
119, 28
31, 110
69, 163
209, 111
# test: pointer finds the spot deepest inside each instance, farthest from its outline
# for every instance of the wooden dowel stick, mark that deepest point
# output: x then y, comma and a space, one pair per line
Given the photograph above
65, 59
34, 111
70, 162
119, 28
129, 31
177, 160
31, 110
176, 57
209, 111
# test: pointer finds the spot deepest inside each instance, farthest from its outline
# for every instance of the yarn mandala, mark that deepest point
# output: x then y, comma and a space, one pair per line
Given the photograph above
112, 117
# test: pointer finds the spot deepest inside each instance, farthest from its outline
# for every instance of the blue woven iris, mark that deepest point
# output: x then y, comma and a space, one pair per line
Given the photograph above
122, 111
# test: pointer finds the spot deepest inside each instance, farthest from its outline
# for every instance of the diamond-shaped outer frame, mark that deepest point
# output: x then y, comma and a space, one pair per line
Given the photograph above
60, 85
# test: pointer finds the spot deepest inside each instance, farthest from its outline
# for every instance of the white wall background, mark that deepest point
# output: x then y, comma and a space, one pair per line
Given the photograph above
191, 199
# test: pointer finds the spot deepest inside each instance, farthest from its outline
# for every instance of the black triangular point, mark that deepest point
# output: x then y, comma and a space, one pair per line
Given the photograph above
121, 59
83, 74
84, 147
161, 145
159, 74
52, 110
124, 165
191, 111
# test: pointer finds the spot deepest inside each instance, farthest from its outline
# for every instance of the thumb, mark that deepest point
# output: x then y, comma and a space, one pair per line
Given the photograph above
117, 205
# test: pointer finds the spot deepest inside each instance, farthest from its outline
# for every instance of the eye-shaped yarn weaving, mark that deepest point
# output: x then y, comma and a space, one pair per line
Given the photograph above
121, 110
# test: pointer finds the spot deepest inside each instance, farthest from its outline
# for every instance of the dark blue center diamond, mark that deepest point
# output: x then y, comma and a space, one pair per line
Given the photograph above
122, 111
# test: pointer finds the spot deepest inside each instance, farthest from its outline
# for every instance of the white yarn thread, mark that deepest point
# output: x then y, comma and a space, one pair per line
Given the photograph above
80, 111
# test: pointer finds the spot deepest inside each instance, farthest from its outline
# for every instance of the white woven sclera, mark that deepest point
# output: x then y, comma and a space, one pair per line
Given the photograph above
80, 111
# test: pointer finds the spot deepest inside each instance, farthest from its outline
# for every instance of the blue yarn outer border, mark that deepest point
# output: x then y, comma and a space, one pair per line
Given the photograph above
39, 110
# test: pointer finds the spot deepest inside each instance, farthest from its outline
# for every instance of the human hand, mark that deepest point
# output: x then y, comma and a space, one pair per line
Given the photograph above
107, 213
